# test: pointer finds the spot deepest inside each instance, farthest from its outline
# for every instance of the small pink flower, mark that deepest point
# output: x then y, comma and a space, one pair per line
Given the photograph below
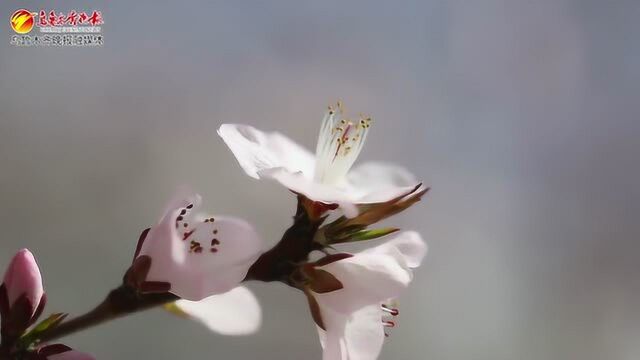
22, 297
354, 311
194, 255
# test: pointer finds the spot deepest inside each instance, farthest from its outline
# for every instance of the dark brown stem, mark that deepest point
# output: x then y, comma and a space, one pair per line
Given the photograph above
120, 302
279, 263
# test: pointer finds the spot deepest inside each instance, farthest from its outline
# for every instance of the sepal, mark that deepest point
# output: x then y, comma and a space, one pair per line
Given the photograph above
49, 323
346, 229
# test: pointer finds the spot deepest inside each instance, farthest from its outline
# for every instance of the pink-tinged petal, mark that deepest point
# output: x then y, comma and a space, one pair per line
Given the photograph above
256, 150
200, 255
378, 182
367, 278
22, 277
236, 312
364, 333
332, 339
183, 197
358, 335
71, 355
409, 243
300, 184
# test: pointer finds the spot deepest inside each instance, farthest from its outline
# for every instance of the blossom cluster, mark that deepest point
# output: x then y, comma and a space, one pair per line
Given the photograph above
194, 263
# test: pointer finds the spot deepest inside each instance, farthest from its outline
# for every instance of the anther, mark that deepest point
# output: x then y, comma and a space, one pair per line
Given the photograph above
186, 235
391, 311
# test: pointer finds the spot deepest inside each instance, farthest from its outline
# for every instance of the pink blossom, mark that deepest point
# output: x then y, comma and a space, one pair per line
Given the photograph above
22, 280
326, 176
353, 316
194, 255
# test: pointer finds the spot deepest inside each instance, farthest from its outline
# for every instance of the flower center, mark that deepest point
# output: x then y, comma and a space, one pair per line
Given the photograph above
198, 232
339, 144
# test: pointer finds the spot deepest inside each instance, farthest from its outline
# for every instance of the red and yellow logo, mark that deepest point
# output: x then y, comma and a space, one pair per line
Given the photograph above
22, 21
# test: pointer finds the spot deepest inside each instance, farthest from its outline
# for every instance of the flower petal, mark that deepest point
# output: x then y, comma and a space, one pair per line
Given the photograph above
408, 243
358, 335
368, 278
200, 255
256, 150
183, 197
299, 183
364, 333
332, 339
236, 312
379, 182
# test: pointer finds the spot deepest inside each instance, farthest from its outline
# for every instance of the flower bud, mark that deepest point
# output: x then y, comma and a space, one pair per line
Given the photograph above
23, 278
22, 296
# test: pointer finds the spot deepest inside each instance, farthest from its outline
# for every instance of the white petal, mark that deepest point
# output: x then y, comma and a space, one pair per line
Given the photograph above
332, 340
364, 333
367, 278
236, 312
198, 256
316, 191
408, 243
378, 182
355, 336
256, 150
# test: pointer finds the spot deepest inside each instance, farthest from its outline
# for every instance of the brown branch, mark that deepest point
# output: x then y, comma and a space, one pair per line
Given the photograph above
120, 302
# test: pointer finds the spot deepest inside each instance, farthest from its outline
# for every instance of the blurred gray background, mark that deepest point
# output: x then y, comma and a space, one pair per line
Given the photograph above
523, 116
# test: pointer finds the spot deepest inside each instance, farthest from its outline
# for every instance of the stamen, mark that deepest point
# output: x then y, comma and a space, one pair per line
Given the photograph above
388, 324
389, 310
186, 235
339, 144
